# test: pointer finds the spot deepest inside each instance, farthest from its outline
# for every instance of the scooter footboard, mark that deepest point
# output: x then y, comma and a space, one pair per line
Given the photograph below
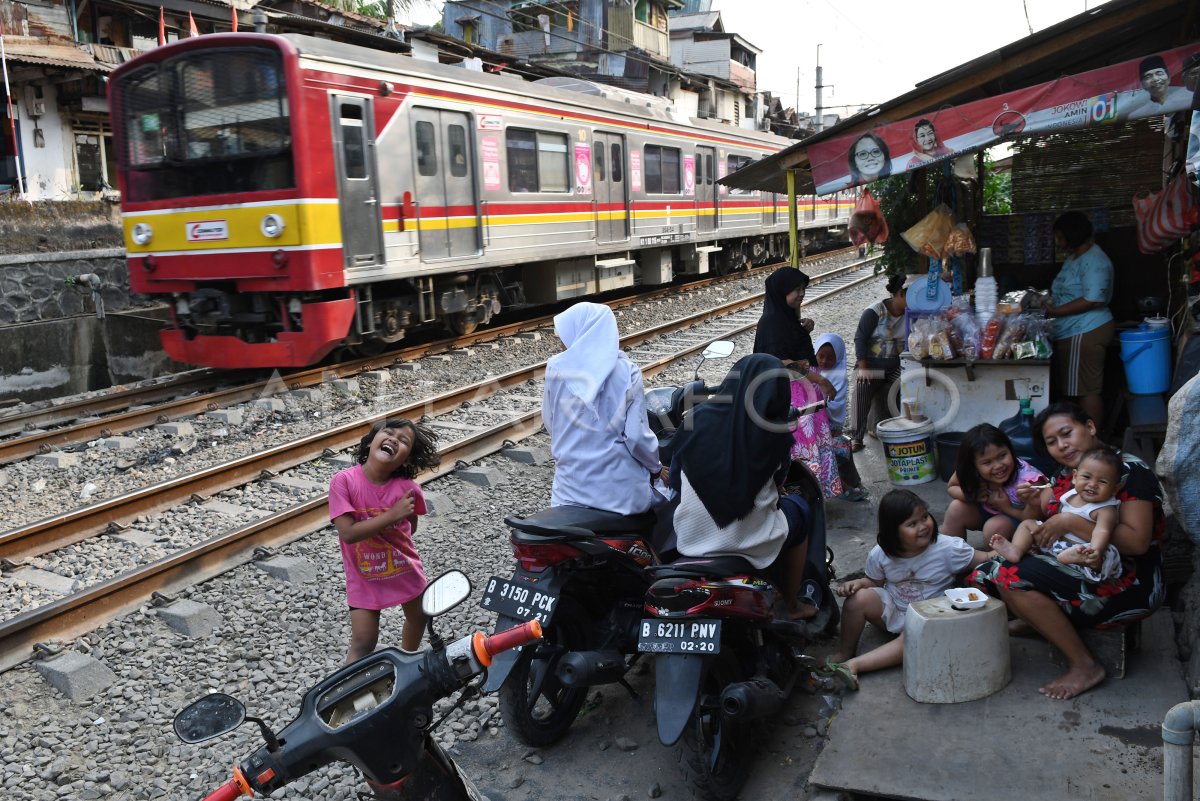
676, 690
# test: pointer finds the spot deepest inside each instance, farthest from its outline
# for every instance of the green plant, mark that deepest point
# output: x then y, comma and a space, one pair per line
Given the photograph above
902, 204
997, 188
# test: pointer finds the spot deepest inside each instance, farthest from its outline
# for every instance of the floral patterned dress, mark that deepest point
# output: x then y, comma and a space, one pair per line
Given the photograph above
1135, 594
814, 439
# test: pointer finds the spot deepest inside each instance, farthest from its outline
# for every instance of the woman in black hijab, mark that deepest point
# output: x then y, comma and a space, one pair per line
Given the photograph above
783, 334
731, 454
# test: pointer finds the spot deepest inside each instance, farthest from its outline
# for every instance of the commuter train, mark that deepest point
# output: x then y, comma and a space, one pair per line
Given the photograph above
289, 194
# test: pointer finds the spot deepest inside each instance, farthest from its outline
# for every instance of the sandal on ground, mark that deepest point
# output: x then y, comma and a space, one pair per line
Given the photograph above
856, 446
840, 672
854, 494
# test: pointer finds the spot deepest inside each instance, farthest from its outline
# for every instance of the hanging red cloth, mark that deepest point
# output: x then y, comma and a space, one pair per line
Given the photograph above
192, 31
162, 28
234, 10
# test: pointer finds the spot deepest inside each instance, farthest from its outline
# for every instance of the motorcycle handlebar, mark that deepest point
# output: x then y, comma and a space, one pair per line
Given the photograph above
227, 792
487, 647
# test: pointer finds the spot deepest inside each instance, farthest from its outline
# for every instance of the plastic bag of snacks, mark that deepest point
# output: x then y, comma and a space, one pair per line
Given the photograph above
967, 343
959, 241
939, 340
1013, 333
918, 338
991, 336
929, 235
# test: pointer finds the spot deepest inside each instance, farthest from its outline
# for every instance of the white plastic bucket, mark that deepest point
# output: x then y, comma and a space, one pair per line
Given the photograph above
908, 449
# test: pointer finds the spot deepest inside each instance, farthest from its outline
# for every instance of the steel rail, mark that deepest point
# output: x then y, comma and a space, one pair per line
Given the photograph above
86, 610
24, 447
48, 534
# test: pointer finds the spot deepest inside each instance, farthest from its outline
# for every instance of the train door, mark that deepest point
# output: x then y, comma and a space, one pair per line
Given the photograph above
608, 169
769, 206
448, 211
706, 191
358, 183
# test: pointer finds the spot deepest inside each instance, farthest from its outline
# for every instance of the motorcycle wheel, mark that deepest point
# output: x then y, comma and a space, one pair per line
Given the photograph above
715, 753
536, 707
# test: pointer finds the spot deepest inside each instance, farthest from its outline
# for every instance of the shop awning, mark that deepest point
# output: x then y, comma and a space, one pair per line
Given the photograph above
51, 55
1116, 31
1151, 86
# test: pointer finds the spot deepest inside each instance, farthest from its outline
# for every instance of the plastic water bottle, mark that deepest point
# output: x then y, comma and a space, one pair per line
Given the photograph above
1019, 429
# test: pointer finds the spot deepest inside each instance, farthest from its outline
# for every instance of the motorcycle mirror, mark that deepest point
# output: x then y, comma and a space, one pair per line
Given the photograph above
720, 349
445, 592
213, 715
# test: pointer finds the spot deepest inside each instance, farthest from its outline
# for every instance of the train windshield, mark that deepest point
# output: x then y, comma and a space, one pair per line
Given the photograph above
206, 123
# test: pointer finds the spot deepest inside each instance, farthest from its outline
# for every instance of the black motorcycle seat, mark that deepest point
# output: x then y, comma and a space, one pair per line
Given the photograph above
571, 519
704, 566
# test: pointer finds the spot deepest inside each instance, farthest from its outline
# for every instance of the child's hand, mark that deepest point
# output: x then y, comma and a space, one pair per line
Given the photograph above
404, 508
850, 587
1028, 493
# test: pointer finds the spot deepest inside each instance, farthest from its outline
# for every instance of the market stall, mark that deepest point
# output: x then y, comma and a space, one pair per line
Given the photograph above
986, 301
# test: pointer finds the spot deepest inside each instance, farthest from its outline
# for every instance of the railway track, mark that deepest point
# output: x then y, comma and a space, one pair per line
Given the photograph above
81, 611
43, 430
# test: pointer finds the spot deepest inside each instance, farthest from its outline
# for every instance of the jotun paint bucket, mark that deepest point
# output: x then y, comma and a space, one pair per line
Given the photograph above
908, 449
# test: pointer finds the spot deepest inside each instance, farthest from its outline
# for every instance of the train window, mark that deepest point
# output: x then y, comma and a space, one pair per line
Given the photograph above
552, 162
354, 146
457, 136
708, 169
537, 161
662, 170
205, 123
426, 149
733, 164
618, 163
598, 161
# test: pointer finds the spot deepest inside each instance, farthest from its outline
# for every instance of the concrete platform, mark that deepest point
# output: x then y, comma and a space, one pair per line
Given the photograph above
1104, 745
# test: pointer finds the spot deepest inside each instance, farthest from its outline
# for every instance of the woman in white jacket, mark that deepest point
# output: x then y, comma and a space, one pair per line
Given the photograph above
605, 453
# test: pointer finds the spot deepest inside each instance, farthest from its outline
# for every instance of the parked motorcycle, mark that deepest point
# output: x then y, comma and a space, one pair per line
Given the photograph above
582, 574
376, 714
723, 660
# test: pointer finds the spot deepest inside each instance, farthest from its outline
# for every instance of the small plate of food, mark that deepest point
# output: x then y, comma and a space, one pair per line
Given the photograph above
966, 597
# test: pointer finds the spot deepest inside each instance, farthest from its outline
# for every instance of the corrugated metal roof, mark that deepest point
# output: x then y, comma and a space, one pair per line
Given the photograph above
51, 55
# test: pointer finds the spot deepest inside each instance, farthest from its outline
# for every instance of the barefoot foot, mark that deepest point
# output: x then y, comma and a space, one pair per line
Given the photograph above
1075, 555
1075, 681
1005, 548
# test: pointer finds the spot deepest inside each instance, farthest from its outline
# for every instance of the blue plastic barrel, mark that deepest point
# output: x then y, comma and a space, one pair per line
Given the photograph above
1146, 353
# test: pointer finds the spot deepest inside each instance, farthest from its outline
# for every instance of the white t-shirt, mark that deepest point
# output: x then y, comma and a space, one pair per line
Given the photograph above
925, 575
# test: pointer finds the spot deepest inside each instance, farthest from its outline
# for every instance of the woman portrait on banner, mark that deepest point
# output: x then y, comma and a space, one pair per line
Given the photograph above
782, 333
869, 159
1083, 324
926, 145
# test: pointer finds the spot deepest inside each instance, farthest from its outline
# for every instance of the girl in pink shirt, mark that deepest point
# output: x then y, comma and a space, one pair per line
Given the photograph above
374, 507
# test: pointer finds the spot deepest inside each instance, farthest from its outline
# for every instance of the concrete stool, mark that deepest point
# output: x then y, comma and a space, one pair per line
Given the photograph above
953, 655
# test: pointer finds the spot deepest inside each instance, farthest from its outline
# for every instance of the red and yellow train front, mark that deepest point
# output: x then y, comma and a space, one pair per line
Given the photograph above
223, 212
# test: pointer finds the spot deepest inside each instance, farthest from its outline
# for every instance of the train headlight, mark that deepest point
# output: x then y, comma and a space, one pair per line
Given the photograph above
272, 225
142, 233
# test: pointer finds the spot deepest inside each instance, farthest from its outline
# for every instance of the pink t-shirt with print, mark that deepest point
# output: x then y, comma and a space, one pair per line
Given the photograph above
383, 570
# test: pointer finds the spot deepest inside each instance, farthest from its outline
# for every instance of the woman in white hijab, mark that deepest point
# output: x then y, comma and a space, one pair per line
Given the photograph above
605, 454
831, 364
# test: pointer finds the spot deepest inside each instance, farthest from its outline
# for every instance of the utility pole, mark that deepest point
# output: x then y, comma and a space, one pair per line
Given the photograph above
817, 122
